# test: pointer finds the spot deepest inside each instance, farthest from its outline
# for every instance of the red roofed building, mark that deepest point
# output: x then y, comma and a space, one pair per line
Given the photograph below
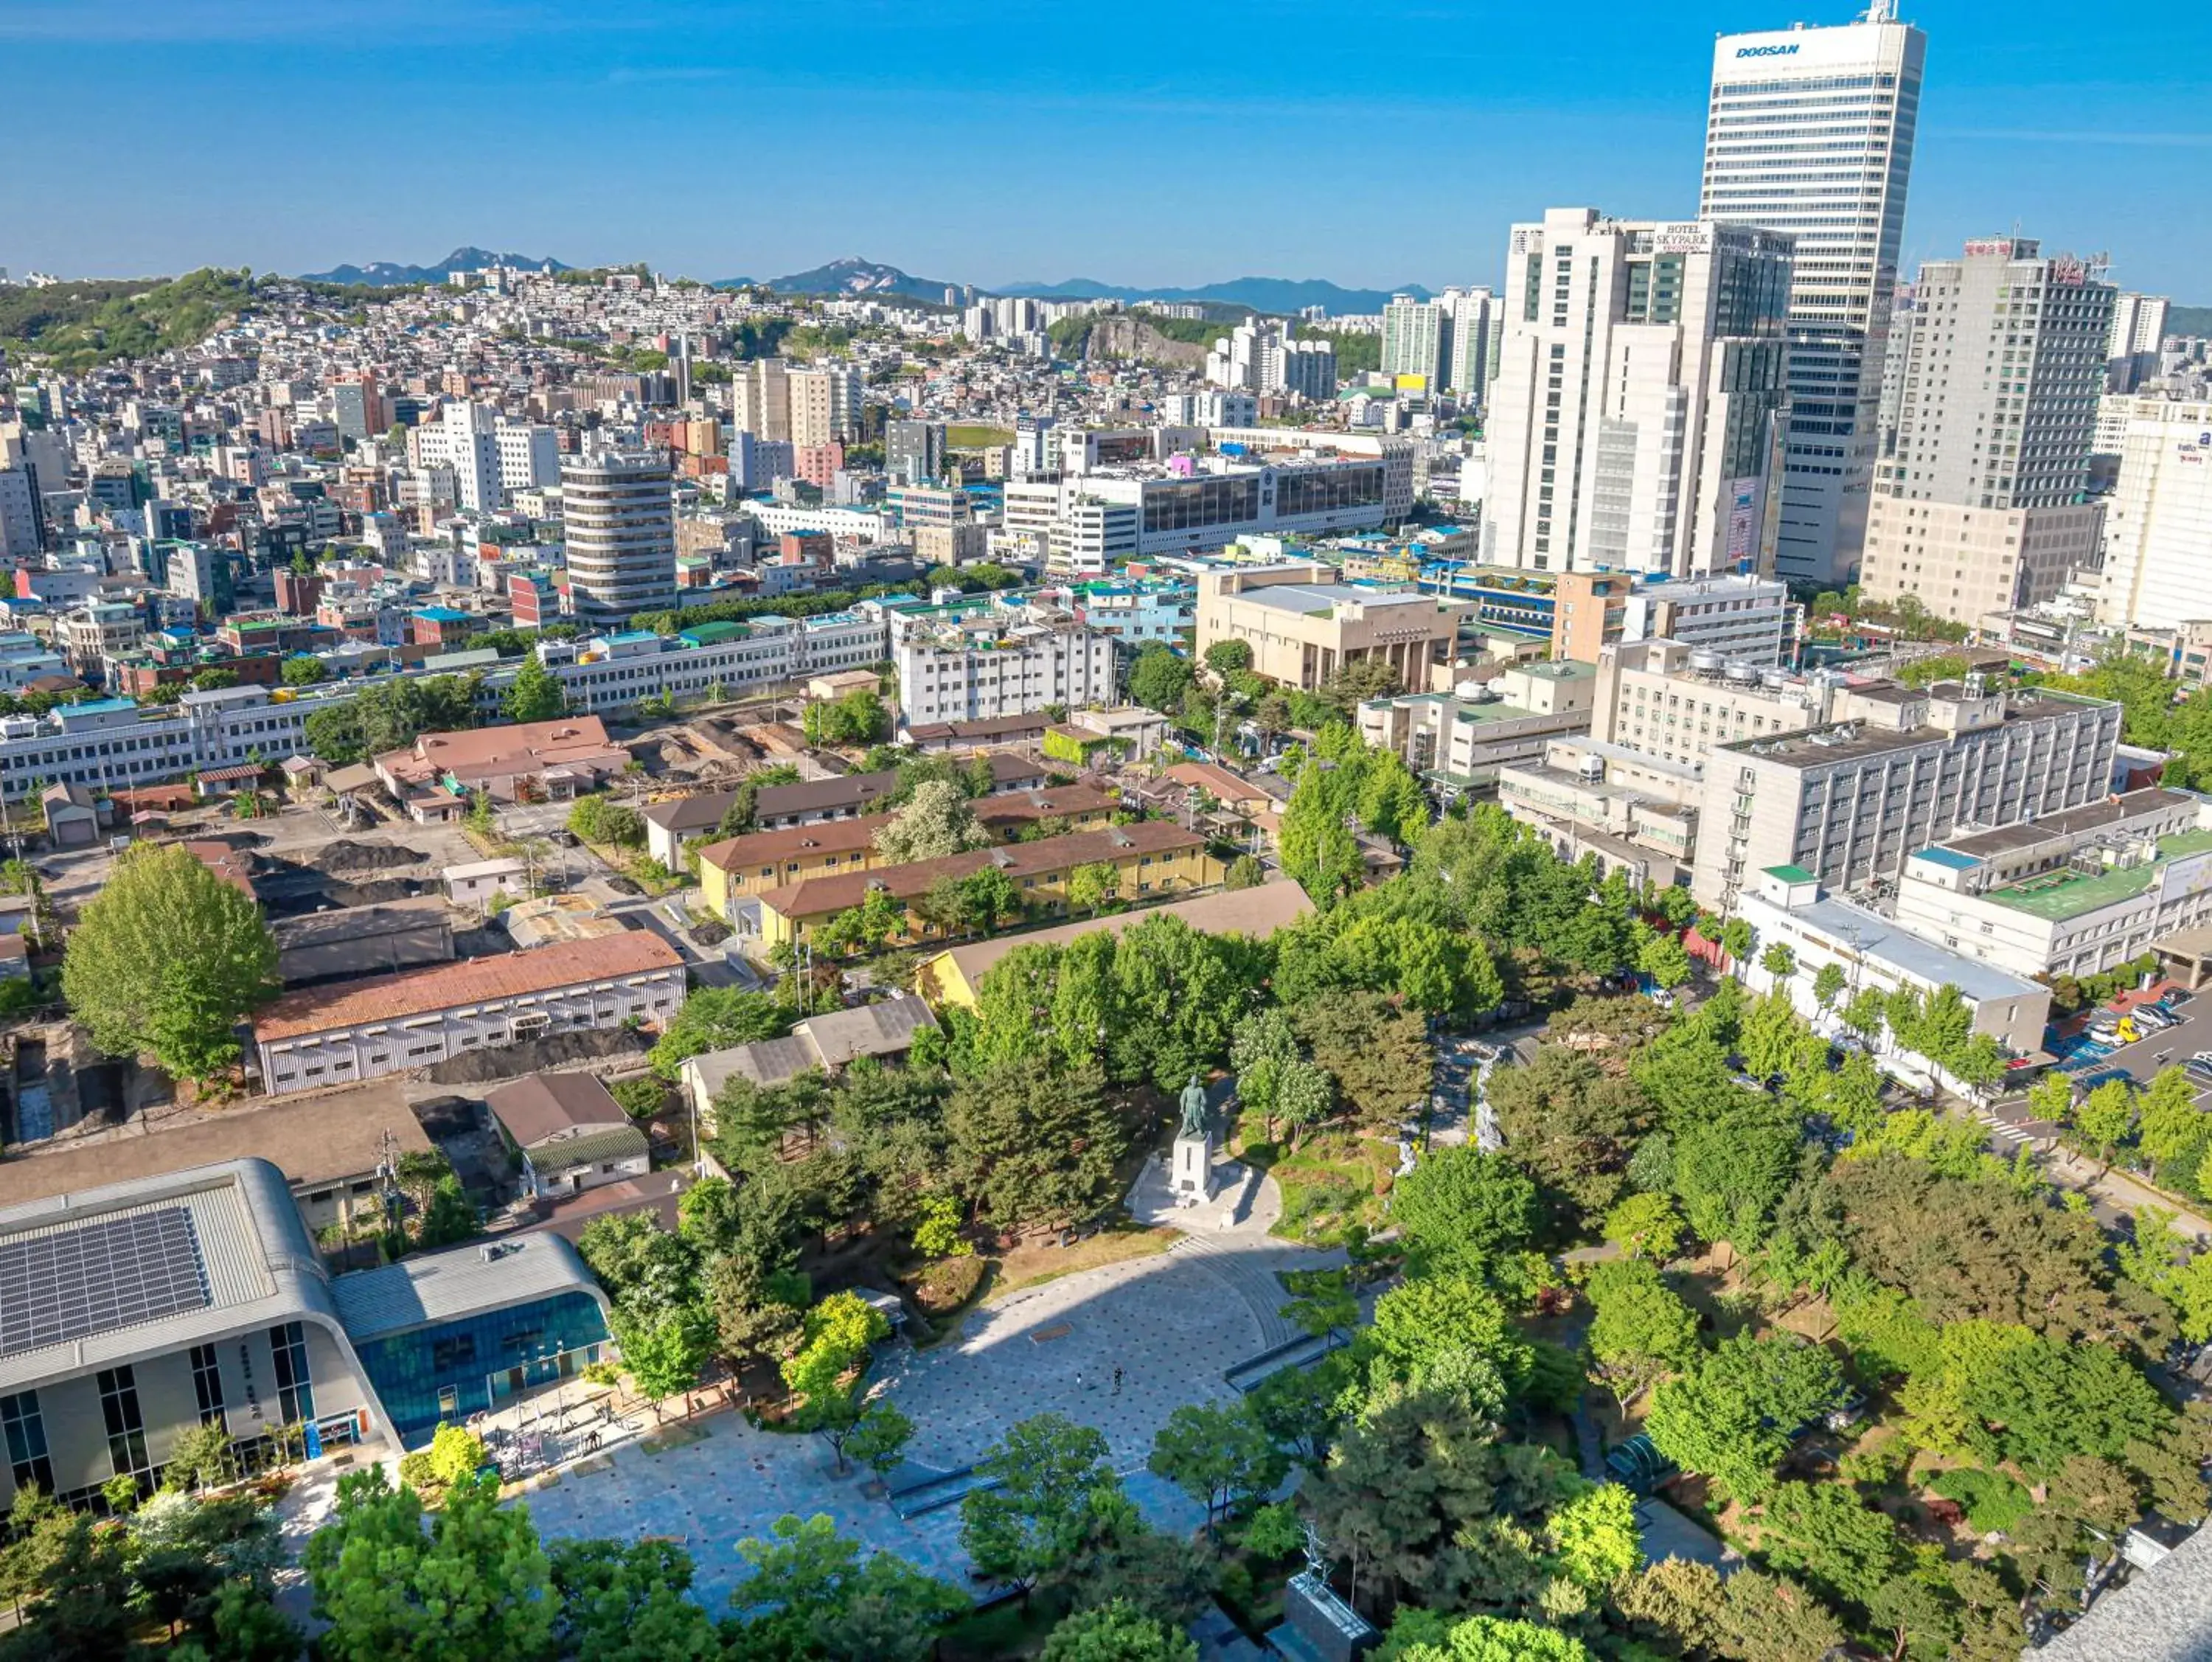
389, 1023
557, 759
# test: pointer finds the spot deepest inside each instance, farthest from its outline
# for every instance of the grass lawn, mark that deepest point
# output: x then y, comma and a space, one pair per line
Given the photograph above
1034, 1262
1012, 1629
968, 436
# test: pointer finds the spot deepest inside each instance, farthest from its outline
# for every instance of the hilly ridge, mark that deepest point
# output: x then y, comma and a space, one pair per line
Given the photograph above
389, 274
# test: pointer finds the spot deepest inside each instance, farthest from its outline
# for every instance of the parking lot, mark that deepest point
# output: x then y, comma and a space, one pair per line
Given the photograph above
2167, 1047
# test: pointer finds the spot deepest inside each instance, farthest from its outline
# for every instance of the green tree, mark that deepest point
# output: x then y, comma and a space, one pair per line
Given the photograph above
879, 1438
599, 819
664, 1355
716, 1019
2105, 1116
1495, 1639
474, 1586
1119, 1632
167, 959
1035, 1143
1639, 1327
1733, 1413
1828, 986
1049, 1472
1846, 1550
1736, 939
303, 670
1217, 1455
813, 1594
1778, 961
1226, 658
935, 822
536, 694
1379, 1055
1158, 677
1452, 1330
1665, 959
1647, 1226
1092, 888
1593, 1537
1463, 1207
623, 1601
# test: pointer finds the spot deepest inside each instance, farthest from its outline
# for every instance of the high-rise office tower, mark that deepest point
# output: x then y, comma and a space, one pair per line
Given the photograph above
1641, 380
2138, 330
1977, 505
357, 408
2158, 521
1810, 131
1414, 342
619, 524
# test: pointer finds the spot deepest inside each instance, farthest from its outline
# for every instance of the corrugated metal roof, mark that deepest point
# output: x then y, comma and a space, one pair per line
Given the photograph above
614, 1142
418, 992
440, 1287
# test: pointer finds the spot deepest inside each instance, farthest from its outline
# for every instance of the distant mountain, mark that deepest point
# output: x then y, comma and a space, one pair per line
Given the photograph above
385, 274
1276, 296
853, 276
2188, 321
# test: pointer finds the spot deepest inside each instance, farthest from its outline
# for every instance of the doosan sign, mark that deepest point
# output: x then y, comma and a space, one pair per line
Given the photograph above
1767, 52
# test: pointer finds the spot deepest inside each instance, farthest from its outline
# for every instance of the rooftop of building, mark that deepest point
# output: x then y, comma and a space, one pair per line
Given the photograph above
447, 986
1854, 741
541, 1105
1258, 911
322, 1141
1975, 846
1854, 929
443, 1286
1313, 600
2163, 1614
149, 1266
2057, 896
814, 897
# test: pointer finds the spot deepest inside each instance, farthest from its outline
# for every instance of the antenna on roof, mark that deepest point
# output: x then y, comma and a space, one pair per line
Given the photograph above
1880, 11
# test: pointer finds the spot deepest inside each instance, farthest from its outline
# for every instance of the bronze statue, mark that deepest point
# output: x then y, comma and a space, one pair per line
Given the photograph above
1196, 1122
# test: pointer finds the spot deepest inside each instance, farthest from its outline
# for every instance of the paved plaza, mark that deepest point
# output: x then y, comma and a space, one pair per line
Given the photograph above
1173, 1323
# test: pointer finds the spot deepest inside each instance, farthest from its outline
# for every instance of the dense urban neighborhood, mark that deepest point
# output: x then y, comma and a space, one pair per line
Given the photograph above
855, 970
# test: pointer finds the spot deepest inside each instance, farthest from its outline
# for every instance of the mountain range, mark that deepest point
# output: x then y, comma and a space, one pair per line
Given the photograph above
388, 274
851, 276
1276, 296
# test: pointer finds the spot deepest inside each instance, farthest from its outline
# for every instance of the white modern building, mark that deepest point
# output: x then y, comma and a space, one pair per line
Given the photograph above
978, 669
1473, 321
2075, 893
619, 526
1979, 498
1460, 739
1634, 424
2131, 353
1810, 133
491, 457
2158, 524
1893, 770
1787, 906
825, 407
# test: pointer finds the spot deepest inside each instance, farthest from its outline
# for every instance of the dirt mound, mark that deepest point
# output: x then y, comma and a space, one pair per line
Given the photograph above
513, 1061
347, 855
711, 932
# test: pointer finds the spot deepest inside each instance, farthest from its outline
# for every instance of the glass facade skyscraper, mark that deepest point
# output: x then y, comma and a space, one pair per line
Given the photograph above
1810, 131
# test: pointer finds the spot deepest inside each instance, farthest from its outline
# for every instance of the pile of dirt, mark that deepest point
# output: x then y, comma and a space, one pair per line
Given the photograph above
710, 932
534, 1055
347, 855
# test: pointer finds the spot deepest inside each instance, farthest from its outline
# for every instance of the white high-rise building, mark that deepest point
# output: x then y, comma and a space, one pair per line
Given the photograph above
760, 399
1415, 341
1642, 375
619, 525
1977, 505
1811, 132
1472, 317
491, 458
2138, 331
2158, 523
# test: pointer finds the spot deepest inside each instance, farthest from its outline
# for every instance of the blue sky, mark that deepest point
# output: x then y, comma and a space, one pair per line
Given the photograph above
1141, 142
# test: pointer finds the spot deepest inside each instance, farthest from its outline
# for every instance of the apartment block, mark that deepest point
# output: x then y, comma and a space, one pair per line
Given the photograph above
825, 407
981, 667
1746, 619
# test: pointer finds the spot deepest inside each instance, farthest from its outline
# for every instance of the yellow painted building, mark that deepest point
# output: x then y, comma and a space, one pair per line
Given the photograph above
742, 867
1154, 858
955, 976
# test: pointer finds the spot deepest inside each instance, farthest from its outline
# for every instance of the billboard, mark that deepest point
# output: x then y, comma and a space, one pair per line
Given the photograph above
2178, 879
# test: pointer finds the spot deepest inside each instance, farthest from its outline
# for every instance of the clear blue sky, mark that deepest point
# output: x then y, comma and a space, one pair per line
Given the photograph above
1140, 142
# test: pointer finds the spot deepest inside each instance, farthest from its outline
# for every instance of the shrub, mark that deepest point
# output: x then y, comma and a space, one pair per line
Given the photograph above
949, 1283
1992, 1500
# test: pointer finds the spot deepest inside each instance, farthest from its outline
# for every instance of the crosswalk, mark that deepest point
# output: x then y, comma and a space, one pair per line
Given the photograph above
2003, 1129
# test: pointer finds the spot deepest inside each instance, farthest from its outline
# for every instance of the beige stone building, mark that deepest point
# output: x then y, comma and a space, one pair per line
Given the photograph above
1302, 627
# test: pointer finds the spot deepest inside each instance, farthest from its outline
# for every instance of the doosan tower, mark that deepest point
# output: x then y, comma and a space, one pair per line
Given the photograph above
1810, 131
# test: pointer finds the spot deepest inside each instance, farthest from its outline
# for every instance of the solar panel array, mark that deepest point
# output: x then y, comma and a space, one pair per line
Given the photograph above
118, 1273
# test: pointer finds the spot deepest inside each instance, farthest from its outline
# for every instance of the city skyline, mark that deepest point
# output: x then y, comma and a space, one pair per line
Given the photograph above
743, 141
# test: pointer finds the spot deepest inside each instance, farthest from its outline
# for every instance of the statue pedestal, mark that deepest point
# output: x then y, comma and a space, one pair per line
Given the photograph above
1190, 1170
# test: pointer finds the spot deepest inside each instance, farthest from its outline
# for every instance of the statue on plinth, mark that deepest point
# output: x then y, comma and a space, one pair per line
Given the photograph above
1191, 1170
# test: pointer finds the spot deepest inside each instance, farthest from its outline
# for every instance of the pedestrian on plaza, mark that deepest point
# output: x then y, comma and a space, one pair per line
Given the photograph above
1117, 1382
